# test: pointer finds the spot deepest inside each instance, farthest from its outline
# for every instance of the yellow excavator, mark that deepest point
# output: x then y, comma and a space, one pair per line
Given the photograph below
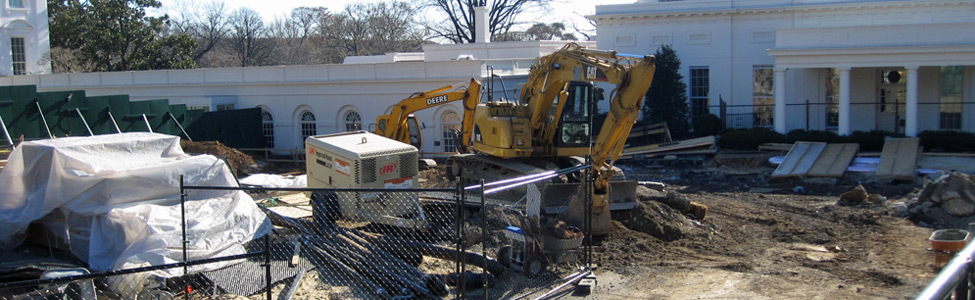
401, 125
547, 128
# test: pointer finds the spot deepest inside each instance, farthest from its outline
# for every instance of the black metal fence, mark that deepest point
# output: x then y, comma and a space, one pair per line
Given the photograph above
359, 244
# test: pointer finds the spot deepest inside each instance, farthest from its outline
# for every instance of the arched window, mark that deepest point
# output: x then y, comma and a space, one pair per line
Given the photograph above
450, 122
353, 121
267, 123
308, 126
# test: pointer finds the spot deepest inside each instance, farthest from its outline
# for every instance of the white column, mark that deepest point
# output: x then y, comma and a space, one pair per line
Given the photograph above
844, 117
778, 84
910, 126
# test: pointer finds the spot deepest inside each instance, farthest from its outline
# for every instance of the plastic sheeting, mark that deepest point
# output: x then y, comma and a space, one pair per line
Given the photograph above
114, 200
276, 181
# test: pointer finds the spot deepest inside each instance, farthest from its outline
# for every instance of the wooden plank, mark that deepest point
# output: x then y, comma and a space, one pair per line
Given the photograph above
898, 160
799, 159
834, 160
775, 147
708, 141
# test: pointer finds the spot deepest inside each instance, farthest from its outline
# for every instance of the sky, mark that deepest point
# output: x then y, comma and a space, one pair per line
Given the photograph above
568, 12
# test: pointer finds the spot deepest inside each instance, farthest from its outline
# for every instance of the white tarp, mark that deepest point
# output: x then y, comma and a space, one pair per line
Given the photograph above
114, 199
276, 181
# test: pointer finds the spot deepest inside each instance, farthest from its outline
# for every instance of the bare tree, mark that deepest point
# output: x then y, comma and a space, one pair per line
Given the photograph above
206, 23
296, 35
371, 29
248, 38
459, 28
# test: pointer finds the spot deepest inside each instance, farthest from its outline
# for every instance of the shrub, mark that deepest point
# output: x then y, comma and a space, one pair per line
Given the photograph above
870, 141
749, 139
947, 141
709, 124
812, 136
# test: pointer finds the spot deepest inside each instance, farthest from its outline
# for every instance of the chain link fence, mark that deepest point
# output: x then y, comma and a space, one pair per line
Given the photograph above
450, 243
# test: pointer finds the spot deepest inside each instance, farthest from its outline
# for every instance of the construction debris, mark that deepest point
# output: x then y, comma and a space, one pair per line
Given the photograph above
701, 145
948, 202
813, 159
859, 195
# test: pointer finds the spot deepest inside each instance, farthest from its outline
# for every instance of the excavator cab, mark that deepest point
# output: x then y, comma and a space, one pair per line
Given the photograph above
413, 130
574, 123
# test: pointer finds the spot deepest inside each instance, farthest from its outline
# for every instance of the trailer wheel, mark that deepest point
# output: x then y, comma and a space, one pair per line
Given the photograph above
535, 266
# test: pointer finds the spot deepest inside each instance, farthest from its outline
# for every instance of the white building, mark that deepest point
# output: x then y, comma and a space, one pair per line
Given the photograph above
902, 66
24, 44
299, 101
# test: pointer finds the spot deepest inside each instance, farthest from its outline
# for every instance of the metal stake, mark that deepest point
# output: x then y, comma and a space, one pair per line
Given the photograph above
111, 117
144, 119
181, 127
6, 133
43, 119
84, 121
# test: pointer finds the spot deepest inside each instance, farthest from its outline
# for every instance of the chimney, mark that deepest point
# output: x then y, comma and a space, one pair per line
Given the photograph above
482, 34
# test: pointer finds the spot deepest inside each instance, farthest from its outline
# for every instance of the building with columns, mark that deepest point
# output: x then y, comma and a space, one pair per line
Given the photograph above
24, 44
902, 66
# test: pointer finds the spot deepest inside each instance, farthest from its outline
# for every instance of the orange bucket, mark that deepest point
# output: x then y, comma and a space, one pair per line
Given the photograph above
947, 242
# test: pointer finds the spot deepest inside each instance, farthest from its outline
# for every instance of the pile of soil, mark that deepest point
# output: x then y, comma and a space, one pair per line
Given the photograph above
241, 163
434, 178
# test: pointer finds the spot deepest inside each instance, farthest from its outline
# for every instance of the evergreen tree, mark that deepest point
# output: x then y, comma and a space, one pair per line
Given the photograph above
114, 35
667, 99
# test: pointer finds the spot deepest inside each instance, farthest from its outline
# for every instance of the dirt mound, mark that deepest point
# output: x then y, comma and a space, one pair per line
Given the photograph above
242, 164
656, 219
434, 178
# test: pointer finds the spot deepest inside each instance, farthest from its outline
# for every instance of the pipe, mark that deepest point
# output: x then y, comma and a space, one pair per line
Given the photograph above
144, 119
171, 116
111, 117
953, 274
6, 133
83, 121
43, 119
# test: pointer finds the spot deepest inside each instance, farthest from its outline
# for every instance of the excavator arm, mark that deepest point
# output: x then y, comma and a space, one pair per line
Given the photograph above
632, 76
395, 125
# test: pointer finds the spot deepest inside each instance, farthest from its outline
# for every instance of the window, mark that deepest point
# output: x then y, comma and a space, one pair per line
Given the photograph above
353, 121
950, 97
451, 125
308, 126
763, 97
700, 87
832, 97
223, 107
267, 124
15, 3
17, 54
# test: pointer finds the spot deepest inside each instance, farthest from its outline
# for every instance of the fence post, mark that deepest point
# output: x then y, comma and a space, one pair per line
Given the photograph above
182, 208
267, 264
484, 239
807, 114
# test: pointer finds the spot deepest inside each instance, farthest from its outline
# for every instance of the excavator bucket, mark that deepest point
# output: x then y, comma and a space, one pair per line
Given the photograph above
569, 201
556, 196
